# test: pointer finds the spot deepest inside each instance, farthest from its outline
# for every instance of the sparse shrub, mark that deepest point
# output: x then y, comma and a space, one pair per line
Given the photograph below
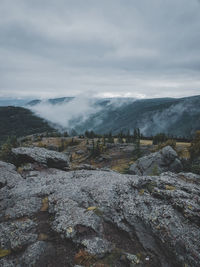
110, 138
128, 137
120, 138
4, 252
5, 153
65, 134
136, 134
104, 141
195, 168
195, 154
96, 150
150, 186
56, 134
62, 145
13, 141
169, 142
39, 138
137, 150
73, 142
20, 170
170, 187
155, 171
40, 144
195, 147
73, 132
84, 258
186, 163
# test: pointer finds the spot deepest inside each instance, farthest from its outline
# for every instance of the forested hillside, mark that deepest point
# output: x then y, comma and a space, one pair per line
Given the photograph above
178, 117
17, 121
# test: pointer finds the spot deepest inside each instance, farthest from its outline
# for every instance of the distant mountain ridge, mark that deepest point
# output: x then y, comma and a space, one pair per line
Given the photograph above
173, 116
179, 117
50, 101
4, 102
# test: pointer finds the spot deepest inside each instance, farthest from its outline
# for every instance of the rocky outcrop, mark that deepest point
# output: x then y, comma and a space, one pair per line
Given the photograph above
158, 162
8, 175
96, 218
52, 159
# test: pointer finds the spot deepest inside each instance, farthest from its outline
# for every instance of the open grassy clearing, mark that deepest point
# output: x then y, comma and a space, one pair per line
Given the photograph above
118, 158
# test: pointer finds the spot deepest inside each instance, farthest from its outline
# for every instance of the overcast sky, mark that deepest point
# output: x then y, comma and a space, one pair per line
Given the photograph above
138, 48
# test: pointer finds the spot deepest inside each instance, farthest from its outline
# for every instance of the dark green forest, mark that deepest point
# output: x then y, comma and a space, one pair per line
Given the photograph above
17, 121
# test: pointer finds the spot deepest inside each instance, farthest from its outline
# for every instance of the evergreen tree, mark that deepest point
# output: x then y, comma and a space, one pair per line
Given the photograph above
65, 134
136, 140
120, 137
5, 153
62, 145
137, 150
92, 134
73, 132
96, 151
87, 134
135, 134
195, 147
128, 137
104, 140
110, 138
159, 138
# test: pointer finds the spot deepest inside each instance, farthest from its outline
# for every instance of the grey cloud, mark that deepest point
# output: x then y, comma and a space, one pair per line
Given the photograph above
55, 48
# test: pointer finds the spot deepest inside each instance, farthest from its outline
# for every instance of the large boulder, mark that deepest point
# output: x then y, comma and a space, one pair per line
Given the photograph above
8, 175
52, 159
154, 164
96, 218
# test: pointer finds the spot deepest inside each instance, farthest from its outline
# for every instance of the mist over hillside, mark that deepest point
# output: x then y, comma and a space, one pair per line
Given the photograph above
179, 117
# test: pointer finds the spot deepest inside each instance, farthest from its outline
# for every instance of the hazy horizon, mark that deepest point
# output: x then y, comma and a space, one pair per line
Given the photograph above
92, 97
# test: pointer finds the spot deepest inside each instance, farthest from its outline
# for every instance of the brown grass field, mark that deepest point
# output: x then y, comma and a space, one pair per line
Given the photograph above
119, 161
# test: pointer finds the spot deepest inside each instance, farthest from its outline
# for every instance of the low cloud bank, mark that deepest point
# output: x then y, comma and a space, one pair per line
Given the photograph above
66, 114
69, 113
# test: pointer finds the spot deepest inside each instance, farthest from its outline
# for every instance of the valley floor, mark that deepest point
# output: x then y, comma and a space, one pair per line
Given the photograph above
117, 157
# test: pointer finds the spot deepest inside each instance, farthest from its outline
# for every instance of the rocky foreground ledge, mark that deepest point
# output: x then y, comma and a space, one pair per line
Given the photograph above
50, 217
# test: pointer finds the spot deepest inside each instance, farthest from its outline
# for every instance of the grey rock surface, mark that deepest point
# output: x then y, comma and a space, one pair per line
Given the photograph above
9, 177
80, 152
42, 156
36, 254
97, 246
164, 160
18, 234
50, 218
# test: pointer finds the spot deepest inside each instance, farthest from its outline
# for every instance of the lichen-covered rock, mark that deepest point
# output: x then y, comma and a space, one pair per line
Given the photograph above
36, 254
154, 164
97, 246
21, 208
42, 156
8, 175
17, 235
102, 217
